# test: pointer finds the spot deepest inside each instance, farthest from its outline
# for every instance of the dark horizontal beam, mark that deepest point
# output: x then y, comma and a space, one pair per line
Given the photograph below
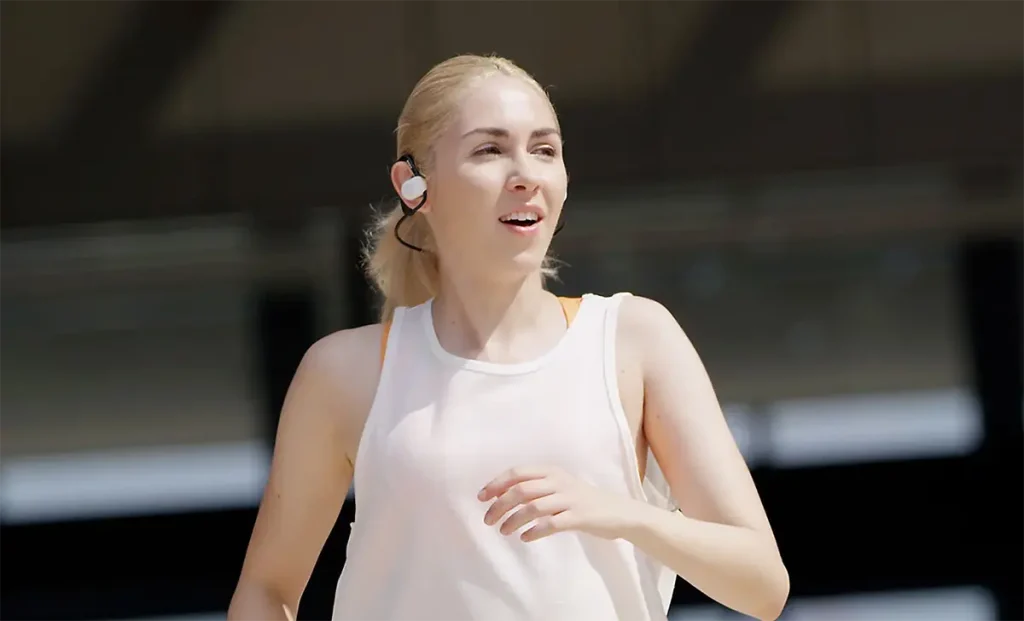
875, 527
956, 122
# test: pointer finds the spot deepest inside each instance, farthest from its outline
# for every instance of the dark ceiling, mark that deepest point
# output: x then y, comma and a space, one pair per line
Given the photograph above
127, 110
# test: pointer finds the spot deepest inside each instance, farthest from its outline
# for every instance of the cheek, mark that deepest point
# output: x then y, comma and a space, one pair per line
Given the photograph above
457, 213
466, 197
467, 182
478, 182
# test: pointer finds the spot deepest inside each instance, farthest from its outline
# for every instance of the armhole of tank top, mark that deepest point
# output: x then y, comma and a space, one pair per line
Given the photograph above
653, 487
390, 334
654, 484
647, 489
611, 383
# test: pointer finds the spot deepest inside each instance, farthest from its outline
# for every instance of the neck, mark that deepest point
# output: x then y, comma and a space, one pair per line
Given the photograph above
473, 316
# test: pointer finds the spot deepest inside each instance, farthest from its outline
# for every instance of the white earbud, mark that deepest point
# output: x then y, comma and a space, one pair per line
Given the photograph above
413, 188
566, 197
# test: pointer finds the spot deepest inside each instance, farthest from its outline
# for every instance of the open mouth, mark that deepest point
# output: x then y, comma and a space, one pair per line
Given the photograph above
521, 219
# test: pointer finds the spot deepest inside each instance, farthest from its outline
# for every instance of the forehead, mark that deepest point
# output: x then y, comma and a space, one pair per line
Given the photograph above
505, 102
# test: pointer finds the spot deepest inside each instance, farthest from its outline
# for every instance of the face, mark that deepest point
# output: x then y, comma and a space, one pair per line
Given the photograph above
498, 181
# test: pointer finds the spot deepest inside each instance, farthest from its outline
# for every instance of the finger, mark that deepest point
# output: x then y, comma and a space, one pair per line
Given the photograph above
552, 504
500, 484
516, 495
548, 525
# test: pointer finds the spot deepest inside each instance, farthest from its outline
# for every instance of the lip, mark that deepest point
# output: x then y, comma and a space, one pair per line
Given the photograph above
528, 208
525, 231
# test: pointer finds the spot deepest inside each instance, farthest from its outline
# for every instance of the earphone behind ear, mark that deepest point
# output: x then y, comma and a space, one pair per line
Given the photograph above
413, 188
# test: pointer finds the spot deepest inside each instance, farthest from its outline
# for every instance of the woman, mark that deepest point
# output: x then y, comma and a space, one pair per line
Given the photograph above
499, 436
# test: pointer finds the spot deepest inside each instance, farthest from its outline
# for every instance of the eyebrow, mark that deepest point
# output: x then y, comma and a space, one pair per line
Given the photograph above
498, 132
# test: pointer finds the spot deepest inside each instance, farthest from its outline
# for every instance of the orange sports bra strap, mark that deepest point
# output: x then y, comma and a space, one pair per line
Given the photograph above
385, 329
570, 306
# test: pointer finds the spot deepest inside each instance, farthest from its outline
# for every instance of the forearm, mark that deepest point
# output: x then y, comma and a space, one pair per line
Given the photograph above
735, 566
252, 601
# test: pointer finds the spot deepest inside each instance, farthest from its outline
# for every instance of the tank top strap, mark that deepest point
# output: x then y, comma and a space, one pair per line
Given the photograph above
387, 332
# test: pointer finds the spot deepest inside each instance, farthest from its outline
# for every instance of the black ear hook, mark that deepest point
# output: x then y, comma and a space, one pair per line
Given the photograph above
408, 212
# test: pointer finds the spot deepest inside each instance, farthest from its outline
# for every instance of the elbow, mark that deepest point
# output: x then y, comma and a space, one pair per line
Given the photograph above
776, 594
255, 600
245, 599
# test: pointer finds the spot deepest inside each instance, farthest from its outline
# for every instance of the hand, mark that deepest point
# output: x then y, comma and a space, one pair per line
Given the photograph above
555, 502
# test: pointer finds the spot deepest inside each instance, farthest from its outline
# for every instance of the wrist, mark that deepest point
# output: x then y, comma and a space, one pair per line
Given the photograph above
639, 519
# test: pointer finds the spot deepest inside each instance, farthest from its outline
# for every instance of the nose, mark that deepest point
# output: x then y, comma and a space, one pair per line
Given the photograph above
522, 179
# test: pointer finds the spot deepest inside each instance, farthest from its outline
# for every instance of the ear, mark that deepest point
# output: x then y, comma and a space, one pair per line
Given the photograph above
400, 173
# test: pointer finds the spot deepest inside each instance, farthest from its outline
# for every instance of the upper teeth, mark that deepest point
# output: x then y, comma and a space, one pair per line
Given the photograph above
521, 215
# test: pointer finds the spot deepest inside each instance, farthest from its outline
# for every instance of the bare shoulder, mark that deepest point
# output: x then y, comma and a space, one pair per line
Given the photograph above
312, 467
341, 371
647, 327
658, 344
642, 315
345, 350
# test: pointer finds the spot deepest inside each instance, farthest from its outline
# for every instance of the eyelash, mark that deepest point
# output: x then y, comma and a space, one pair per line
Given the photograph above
491, 149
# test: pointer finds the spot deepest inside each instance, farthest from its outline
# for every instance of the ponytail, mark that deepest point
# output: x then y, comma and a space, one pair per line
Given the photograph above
403, 276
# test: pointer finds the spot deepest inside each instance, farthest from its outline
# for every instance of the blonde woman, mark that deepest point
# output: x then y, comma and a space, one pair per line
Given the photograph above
509, 448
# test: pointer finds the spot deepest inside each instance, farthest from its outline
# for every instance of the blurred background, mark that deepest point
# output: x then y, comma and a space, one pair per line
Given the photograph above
828, 195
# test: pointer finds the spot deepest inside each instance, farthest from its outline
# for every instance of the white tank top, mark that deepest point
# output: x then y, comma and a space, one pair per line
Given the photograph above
439, 429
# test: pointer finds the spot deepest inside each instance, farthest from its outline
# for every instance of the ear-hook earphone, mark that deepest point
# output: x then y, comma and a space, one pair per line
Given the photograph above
412, 188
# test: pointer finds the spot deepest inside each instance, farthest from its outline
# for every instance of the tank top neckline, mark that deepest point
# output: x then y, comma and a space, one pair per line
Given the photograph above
488, 367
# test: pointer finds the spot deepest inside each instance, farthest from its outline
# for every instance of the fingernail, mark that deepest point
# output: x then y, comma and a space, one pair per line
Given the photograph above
483, 494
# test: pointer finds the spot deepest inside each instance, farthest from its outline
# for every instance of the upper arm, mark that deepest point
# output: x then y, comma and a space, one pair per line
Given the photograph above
311, 471
684, 424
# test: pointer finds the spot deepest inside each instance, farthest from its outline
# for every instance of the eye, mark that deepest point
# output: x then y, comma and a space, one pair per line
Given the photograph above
488, 150
547, 151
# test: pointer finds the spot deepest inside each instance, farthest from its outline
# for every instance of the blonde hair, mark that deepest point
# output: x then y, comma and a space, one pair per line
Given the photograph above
403, 276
